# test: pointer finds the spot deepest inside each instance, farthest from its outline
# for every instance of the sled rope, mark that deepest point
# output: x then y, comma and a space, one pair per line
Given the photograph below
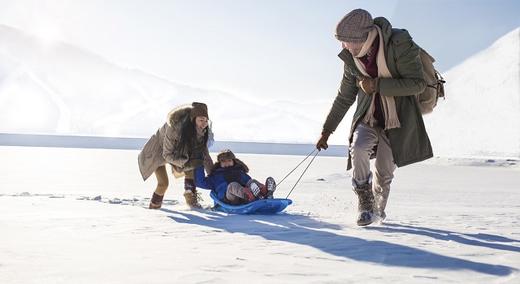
296, 167
305, 170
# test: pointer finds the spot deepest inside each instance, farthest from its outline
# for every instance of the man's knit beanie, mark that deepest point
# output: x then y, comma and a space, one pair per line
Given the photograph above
354, 27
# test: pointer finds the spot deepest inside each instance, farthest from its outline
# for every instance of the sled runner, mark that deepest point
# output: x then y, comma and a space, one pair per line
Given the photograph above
262, 206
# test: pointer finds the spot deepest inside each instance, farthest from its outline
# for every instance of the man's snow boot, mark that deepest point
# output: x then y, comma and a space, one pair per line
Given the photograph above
365, 205
381, 216
156, 201
190, 194
381, 197
270, 184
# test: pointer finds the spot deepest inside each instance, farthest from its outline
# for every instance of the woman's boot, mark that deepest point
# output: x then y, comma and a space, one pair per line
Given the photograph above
160, 190
156, 201
190, 194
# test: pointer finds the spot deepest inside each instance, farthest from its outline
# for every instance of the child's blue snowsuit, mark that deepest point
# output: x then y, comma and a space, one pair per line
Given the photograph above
219, 179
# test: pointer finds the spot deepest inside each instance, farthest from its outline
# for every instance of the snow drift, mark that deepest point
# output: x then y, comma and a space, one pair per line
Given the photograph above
481, 113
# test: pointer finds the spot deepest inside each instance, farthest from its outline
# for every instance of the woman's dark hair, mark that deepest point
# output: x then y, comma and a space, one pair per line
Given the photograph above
189, 134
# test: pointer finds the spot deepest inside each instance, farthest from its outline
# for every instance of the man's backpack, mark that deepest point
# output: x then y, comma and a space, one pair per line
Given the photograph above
434, 90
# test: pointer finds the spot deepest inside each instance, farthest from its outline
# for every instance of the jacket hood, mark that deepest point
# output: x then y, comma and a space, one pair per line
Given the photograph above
386, 28
179, 113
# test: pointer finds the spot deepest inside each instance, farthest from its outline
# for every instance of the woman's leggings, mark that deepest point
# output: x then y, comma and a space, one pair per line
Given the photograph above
162, 180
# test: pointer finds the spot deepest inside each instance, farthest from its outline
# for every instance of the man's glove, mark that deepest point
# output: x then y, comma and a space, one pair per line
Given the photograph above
322, 142
368, 85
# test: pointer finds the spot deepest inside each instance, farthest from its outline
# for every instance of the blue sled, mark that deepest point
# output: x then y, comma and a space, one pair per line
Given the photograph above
262, 206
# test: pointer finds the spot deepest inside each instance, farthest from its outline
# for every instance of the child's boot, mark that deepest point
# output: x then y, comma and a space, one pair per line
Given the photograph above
249, 194
259, 190
270, 184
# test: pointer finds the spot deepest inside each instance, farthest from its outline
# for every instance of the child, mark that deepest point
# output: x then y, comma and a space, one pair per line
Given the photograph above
231, 183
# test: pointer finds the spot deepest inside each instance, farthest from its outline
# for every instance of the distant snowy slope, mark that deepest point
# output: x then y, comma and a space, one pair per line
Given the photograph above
56, 88
481, 113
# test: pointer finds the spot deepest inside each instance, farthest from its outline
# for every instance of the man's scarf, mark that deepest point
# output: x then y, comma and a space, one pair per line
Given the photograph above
388, 102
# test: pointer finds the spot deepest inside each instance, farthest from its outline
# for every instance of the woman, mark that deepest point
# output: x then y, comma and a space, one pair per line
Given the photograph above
181, 142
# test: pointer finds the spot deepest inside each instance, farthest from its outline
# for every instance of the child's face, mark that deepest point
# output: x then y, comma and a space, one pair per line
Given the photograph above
226, 163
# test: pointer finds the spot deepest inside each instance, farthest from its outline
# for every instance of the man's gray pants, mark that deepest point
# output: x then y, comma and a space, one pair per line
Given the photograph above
364, 140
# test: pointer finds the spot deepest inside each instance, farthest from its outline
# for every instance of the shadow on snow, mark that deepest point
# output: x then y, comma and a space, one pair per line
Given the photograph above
304, 230
481, 240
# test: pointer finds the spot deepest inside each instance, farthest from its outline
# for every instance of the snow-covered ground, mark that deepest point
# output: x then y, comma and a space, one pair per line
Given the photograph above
78, 216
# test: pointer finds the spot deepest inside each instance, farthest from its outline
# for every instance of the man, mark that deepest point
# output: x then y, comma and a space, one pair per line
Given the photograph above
383, 71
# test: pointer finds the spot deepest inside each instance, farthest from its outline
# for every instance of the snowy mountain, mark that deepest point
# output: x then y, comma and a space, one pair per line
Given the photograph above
481, 113
56, 88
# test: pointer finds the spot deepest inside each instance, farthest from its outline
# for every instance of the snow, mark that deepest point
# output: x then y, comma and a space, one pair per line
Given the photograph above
78, 216
481, 113
57, 88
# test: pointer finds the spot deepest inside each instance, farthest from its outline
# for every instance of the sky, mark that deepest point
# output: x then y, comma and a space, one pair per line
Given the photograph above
266, 50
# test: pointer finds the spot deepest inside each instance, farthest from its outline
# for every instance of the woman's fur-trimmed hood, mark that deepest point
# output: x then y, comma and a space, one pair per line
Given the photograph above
179, 114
